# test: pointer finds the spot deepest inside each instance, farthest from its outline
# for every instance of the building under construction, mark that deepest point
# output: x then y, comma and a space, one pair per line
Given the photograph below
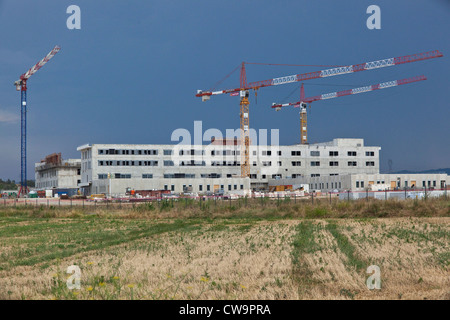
54, 173
114, 168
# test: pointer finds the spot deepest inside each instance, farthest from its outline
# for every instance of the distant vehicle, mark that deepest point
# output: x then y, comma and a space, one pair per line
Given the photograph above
96, 197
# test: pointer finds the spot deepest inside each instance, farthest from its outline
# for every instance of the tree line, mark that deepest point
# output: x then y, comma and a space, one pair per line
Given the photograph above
12, 185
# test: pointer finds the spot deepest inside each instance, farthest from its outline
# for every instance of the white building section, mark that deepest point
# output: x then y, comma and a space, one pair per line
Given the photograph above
112, 168
55, 173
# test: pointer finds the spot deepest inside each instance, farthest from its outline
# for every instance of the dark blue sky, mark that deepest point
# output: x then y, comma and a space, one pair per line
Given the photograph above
131, 73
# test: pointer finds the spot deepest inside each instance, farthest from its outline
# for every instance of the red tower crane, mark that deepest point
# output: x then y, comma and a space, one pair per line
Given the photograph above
302, 104
243, 90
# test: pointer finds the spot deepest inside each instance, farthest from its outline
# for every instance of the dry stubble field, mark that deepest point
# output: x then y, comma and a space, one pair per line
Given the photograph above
285, 252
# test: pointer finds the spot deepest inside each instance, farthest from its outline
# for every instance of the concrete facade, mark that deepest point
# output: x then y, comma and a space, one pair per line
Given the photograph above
374, 182
112, 168
57, 173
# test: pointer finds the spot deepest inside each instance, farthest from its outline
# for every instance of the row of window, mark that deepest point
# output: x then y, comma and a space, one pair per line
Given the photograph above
169, 152
127, 151
323, 185
203, 175
193, 163
189, 188
151, 163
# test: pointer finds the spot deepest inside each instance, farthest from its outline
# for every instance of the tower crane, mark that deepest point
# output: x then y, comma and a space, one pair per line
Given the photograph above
303, 103
21, 85
243, 90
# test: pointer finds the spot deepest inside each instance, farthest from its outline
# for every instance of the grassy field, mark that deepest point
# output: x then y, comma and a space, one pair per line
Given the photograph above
281, 250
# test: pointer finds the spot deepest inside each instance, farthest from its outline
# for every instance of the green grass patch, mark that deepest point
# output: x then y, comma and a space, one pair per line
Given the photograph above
346, 247
304, 243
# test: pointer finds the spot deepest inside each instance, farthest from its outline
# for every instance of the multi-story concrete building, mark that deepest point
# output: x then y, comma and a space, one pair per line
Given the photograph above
112, 168
54, 172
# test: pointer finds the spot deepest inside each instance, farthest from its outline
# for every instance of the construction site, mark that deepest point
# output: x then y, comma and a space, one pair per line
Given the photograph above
232, 166
223, 151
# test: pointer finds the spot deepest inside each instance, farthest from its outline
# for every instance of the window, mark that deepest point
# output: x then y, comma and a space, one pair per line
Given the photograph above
229, 187
315, 163
254, 153
168, 152
151, 163
254, 163
267, 163
166, 187
351, 153
208, 187
279, 163
352, 163
276, 176
235, 187
100, 151
253, 176
122, 176
296, 163
179, 176
168, 163
263, 176
102, 176
242, 187
147, 176
192, 163
267, 153
172, 187
370, 154
357, 184
211, 175
314, 175
279, 153
334, 153
370, 163
334, 163
362, 184
315, 153
296, 153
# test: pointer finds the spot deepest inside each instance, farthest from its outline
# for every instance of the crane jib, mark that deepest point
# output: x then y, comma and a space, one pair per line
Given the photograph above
332, 72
